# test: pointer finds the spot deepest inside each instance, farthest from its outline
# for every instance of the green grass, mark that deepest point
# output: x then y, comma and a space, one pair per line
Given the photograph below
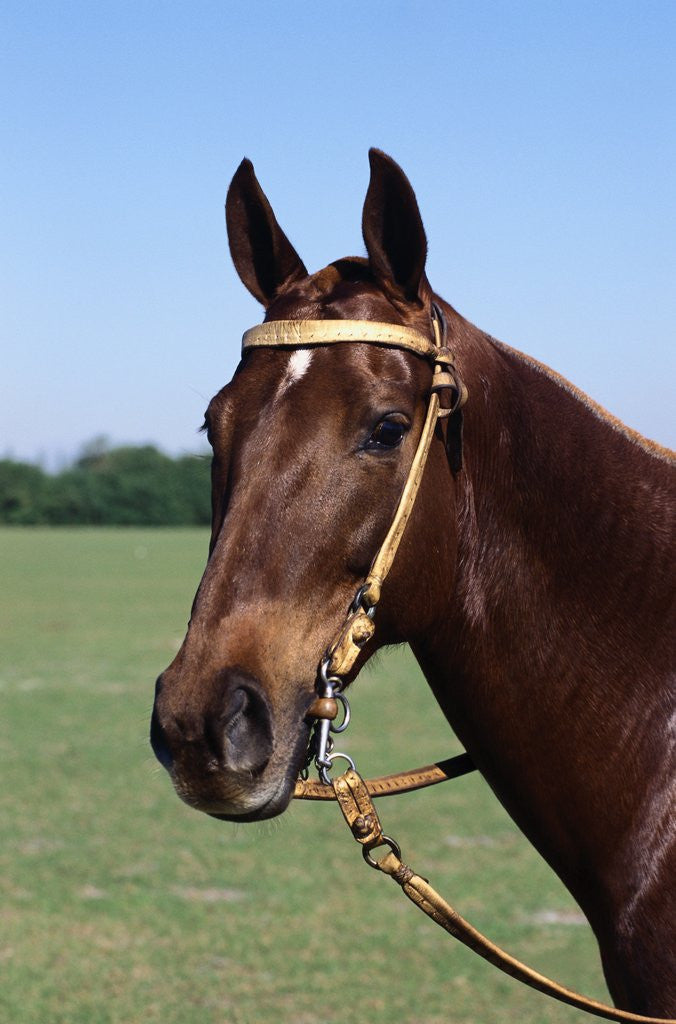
119, 905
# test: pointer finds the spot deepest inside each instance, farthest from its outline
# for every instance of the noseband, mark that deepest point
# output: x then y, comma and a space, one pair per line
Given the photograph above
350, 790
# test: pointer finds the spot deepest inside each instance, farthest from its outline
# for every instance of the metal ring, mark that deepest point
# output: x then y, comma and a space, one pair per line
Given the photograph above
438, 315
333, 684
386, 840
346, 719
358, 602
346, 757
324, 767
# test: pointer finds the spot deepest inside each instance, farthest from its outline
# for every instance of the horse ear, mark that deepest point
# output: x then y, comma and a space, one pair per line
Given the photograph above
392, 228
263, 256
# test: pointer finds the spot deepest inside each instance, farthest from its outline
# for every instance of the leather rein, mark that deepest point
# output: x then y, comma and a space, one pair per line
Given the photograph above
353, 793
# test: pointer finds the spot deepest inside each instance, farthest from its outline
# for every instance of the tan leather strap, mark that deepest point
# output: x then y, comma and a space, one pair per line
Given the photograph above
390, 785
427, 899
360, 814
345, 649
298, 333
356, 630
382, 563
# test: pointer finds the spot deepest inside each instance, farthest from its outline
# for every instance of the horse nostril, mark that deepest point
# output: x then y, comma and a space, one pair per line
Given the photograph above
233, 730
158, 741
242, 733
236, 707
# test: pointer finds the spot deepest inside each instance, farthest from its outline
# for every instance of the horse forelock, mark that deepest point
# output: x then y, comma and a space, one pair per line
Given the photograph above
347, 289
320, 287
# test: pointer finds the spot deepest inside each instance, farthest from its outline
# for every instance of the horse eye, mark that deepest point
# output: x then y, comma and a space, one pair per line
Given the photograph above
388, 434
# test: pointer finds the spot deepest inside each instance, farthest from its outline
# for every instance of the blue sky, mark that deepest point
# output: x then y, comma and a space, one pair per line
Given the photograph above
540, 138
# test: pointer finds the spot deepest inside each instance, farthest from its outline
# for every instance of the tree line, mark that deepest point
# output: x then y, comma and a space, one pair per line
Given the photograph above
108, 486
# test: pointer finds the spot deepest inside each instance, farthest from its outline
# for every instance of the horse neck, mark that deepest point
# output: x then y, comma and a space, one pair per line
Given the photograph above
553, 666
562, 508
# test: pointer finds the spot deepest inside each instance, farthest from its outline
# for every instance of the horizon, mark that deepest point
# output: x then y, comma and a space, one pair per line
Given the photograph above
58, 462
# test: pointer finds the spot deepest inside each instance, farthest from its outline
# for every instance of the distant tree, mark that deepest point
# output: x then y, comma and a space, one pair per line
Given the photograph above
92, 451
193, 489
109, 486
23, 490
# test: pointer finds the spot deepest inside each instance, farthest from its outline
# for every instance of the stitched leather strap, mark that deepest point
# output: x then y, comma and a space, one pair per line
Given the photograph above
428, 900
296, 333
390, 785
382, 563
357, 629
360, 814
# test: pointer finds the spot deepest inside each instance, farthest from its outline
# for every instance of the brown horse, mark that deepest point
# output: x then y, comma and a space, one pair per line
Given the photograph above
534, 585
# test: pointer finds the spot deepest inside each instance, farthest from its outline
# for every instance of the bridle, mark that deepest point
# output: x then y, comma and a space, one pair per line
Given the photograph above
353, 793
359, 627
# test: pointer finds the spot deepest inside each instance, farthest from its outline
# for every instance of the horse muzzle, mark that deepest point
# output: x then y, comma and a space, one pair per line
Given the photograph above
222, 755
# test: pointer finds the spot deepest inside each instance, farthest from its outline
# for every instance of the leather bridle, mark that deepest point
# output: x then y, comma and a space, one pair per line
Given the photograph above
358, 627
353, 793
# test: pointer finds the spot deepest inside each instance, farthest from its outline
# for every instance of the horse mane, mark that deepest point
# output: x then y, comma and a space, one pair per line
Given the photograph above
649, 446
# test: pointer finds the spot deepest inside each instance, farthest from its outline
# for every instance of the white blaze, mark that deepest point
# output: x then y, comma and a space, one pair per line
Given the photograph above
298, 364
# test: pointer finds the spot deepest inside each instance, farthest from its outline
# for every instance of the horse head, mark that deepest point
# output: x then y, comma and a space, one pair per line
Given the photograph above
535, 587
311, 449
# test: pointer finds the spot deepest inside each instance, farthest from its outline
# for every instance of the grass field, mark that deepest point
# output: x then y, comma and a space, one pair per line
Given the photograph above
119, 905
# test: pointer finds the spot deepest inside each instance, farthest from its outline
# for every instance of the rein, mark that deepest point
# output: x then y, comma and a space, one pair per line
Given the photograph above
353, 793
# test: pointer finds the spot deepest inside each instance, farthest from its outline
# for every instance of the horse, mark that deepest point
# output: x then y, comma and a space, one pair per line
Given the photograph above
533, 581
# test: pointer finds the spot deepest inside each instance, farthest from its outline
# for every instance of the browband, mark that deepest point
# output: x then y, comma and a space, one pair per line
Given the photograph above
295, 333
